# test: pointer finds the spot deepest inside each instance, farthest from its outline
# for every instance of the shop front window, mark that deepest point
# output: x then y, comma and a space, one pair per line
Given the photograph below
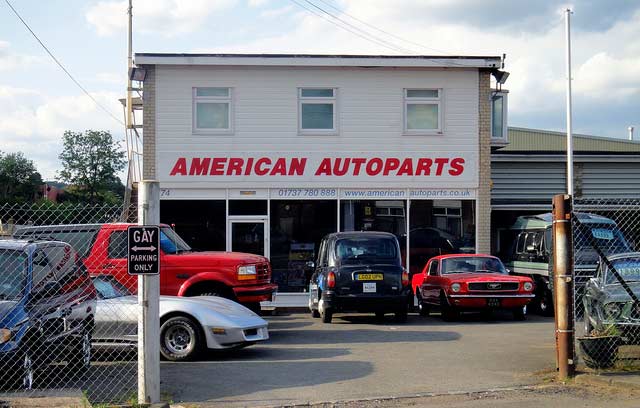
297, 227
200, 223
438, 228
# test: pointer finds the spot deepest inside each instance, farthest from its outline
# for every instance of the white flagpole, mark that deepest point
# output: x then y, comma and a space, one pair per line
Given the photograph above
568, 13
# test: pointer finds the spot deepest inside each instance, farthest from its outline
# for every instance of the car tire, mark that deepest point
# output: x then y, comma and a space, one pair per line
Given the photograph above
217, 291
449, 313
315, 314
326, 314
181, 339
545, 304
28, 370
379, 316
80, 361
520, 314
423, 308
400, 315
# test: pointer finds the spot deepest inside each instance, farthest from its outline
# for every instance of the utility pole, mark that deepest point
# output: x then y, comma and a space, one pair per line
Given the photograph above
129, 118
568, 13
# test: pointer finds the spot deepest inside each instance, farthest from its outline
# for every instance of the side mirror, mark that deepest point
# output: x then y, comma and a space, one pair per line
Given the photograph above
311, 265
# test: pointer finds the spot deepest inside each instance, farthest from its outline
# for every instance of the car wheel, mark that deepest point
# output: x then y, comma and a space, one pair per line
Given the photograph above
449, 313
327, 315
180, 339
400, 315
28, 370
520, 313
379, 316
81, 359
315, 314
423, 308
545, 304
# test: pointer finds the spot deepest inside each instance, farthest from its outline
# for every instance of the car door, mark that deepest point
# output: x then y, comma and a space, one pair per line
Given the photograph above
430, 285
116, 259
316, 278
45, 303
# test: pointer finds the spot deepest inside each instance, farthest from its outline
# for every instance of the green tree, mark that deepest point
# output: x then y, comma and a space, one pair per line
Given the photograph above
90, 162
19, 179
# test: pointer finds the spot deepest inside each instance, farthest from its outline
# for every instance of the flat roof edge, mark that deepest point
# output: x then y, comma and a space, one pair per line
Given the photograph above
420, 61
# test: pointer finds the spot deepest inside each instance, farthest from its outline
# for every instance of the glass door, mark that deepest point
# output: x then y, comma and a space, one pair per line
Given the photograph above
248, 234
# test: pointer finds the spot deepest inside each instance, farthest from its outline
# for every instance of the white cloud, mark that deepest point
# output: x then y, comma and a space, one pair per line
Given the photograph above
10, 60
33, 123
603, 74
257, 3
277, 12
164, 17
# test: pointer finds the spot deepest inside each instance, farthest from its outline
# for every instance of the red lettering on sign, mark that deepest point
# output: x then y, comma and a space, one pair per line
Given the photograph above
297, 166
457, 166
180, 167
260, 170
324, 167
389, 165
440, 161
199, 167
341, 171
374, 166
406, 168
424, 166
357, 165
247, 170
217, 167
280, 168
234, 168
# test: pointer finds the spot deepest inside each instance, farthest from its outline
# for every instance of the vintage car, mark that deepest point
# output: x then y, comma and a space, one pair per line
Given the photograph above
609, 311
47, 307
188, 325
361, 272
470, 282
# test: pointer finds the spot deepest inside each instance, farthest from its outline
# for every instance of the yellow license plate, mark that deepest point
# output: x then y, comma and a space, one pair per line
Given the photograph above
369, 276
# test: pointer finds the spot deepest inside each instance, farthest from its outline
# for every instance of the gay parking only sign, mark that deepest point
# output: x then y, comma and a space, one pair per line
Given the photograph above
143, 255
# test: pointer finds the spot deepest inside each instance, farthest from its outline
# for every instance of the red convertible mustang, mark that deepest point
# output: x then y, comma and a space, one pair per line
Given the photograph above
472, 282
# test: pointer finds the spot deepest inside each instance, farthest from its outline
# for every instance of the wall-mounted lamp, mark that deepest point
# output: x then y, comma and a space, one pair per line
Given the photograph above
137, 74
500, 76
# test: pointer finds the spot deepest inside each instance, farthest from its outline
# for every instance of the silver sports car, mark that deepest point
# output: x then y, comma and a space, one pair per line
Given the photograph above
188, 325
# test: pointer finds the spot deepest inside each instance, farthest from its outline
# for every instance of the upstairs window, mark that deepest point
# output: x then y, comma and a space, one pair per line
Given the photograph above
499, 116
212, 109
422, 111
317, 107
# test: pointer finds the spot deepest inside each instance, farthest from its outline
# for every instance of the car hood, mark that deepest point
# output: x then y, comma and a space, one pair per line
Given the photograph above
216, 304
222, 258
484, 277
615, 292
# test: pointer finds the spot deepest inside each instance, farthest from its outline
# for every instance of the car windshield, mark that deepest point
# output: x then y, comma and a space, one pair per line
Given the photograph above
171, 243
607, 237
627, 268
13, 267
472, 264
366, 249
108, 288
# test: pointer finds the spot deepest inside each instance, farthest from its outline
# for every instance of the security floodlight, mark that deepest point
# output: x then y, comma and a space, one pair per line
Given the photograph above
500, 76
137, 74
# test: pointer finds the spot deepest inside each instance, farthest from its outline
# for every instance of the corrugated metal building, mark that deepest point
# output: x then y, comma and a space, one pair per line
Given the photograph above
531, 168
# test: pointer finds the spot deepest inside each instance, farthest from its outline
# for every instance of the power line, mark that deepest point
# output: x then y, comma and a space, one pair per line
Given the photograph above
381, 30
358, 29
396, 49
62, 66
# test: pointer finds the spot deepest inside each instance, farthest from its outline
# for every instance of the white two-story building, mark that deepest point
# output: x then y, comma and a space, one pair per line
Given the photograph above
268, 153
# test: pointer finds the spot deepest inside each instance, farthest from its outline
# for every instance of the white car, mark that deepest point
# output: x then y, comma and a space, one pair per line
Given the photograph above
188, 325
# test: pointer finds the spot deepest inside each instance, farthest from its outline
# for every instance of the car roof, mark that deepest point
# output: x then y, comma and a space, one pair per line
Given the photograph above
546, 219
23, 244
441, 257
357, 234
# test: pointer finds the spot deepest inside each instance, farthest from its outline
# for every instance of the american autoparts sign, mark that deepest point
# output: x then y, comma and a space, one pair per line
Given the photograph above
318, 168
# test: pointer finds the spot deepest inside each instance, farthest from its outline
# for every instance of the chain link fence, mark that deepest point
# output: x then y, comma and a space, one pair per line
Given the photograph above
606, 238
68, 317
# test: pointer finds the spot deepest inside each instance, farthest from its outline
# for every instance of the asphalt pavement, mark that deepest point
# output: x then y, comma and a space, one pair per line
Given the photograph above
358, 357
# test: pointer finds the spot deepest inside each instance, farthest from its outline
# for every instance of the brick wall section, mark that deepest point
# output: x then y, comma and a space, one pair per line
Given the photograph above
483, 223
149, 125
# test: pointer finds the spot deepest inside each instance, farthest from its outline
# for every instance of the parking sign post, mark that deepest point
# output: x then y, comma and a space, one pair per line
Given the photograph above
149, 302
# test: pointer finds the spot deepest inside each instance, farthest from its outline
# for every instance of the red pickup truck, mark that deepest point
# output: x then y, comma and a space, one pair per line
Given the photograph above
243, 277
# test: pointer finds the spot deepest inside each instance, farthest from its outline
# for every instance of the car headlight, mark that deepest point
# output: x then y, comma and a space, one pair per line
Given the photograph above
612, 310
455, 287
247, 272
528, 286
5, 335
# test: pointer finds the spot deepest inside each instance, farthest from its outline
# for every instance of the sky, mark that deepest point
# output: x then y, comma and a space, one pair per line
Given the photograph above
38, 102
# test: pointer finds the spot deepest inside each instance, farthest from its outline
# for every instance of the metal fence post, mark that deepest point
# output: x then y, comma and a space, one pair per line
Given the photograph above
563, 285
148, 299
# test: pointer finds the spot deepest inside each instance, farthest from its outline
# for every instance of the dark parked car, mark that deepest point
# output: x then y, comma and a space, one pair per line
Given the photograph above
359, 271
47, 307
